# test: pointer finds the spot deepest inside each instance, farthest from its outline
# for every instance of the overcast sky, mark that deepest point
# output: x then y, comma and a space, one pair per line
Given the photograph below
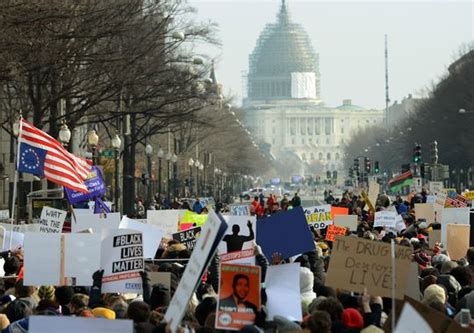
424, 38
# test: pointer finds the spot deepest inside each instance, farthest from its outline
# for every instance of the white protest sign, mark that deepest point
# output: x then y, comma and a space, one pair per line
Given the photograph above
282, 286
15, 238
166, 219
91, 204
239, 210
211, 233
122, 260
431, 199
410, 321
4, 214
385, 219
96, 222
441, 197
453, 216
61, 324
319, 216
348, 221
51, 220
61, 259
240, 235
151, 235
435, 187
22, 228
399, 223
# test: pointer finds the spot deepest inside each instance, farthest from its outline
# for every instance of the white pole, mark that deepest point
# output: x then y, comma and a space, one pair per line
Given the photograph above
393, 284
15, 184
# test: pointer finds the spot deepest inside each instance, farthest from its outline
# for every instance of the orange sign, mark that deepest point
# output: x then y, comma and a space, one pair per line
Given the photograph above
334, 230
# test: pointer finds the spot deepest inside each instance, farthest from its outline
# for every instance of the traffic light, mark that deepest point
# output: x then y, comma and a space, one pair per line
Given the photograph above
417, 154
376, 167
367, 165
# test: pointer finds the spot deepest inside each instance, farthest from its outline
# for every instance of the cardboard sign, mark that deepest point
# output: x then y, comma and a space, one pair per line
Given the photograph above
240, 235
61, 324
206, 246
385, 218
166, 219
245, 257
188, 237
458, 240
95, 185
358, 263
160, 277
319, 216
4, 214
348, 221
52, 220
286, 233
413, 283
152, 235
96, 222
61, 259
239, 210
122, 260
425, 211
333, 231
239, 296
453, 216
282, 286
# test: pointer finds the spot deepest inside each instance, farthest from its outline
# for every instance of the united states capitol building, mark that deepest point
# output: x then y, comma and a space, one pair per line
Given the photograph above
283, 106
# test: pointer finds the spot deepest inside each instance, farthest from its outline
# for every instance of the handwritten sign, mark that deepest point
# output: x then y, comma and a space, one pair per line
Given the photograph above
319, 216
95, 187
188, 237
239, 210
51, 220
385, 219
357, 264
333, 231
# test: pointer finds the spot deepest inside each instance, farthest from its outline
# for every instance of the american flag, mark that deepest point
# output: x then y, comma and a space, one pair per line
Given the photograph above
455, 200
42, 155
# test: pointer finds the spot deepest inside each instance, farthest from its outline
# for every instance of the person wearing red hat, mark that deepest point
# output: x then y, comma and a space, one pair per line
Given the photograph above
352, 319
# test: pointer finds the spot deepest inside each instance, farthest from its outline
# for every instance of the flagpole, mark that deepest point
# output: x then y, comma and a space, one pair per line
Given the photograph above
12, 214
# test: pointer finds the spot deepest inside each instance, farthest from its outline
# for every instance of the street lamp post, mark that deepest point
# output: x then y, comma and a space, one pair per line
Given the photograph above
201, 168
148, 152
174, 159
197, 164
116, 143
93, 141
191, 164
168, 182
160, 154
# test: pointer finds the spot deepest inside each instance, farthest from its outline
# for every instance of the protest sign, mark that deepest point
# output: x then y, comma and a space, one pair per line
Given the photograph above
240, 235
458, 240
411, 321
286, 233
367, 201
431, 199
61, 259
206, 246
166, 219
22, 228
453, 216
191, 219
385, 218
4, 214
434, 237
441, 198
188, 237
282, 286
348, 221
413, 283
244, 257
52, 220
239, 210
61, 324
96, 222
239, 296
399, 223
333, 231
319, 216
469, 195
163, 278
95, 186
425, 211
122, 260
11, 240
357, 264
435, 187
151, 235
374, 190
335, 211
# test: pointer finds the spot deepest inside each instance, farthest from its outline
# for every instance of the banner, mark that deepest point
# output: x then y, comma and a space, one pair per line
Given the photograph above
357, 264
319, 216
52, 220
240, 235
122, 260
244, 257
152, 235
239, 296
385, 218
239, 210
286, 233
188, 237
333, 231
95, 185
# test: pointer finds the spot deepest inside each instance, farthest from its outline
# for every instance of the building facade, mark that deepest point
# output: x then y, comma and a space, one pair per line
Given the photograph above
283, 106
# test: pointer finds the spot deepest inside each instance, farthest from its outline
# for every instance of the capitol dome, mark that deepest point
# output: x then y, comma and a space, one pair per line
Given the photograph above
283, 48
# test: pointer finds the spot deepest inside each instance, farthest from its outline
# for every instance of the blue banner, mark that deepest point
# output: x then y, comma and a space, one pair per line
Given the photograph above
95, 184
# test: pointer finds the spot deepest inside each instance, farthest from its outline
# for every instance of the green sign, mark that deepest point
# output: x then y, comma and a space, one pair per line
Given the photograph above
107, 153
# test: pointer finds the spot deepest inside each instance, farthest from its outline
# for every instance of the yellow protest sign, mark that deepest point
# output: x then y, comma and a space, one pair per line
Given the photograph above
469, 195
193, 219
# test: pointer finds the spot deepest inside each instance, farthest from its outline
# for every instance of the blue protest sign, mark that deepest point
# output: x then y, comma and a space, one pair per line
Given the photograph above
286, 233
95, 185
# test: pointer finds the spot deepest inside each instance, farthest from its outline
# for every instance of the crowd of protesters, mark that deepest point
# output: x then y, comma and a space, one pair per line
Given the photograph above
445, 285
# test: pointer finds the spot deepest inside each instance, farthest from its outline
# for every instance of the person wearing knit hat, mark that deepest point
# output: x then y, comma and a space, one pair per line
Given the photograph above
352, 318
422, 259
46, 292
4, 322
372, 329
447, 266
434, 293
100, 312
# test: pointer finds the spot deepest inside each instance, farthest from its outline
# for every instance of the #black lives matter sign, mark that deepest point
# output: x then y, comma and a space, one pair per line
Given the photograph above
188, 237
357, 264
122, 260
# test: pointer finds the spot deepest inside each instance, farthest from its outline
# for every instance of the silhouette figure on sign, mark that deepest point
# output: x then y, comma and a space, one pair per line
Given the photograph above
235, 242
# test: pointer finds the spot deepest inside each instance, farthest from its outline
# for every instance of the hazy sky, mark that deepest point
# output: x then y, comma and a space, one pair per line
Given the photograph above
424, 38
